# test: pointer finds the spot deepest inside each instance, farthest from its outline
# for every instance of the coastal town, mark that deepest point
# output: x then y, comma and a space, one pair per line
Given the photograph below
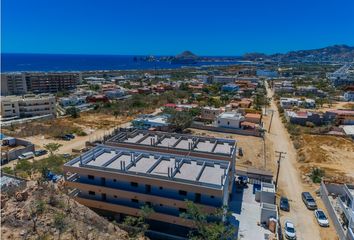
261, 149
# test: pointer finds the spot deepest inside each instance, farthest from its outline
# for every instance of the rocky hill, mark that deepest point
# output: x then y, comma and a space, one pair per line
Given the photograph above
331, 53
45, 212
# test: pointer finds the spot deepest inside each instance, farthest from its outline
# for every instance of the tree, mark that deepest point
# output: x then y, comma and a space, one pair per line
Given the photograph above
205, 229
180, 119
73, 112
138, 224
59, 222
52, 147
36, 209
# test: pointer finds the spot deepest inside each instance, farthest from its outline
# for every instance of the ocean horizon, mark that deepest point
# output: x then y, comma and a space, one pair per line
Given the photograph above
29, 62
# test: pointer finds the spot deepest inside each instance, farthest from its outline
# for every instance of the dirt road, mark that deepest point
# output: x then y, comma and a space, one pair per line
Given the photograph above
290, 183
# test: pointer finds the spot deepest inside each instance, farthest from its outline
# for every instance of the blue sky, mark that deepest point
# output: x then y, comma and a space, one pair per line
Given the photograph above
166, 27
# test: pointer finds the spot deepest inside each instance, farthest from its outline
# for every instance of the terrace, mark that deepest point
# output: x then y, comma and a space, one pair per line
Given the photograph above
161, 140
190, 170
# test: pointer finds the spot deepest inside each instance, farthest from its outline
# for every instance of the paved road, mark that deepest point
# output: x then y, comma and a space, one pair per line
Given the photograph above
290, 182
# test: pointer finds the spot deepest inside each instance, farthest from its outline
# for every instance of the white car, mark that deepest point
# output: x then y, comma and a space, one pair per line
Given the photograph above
289, 230
25, 156
321, 218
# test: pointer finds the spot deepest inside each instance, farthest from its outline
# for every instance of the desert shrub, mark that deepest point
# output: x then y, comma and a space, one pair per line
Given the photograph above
316, 175
310, 124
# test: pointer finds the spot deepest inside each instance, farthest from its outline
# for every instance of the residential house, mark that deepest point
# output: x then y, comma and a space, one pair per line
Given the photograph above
231, 87
210, 113
339, 117
146, 122
302, 117
253, 118
229, 120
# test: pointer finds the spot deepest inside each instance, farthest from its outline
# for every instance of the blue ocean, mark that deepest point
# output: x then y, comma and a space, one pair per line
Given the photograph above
13, 62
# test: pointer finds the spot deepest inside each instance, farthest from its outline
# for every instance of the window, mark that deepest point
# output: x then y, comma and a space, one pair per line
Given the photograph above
92, 193
183, 193
161, 205
147, 188
91, 177
211, 196
115, 196
148, 204
198, 197
160, 188
114, 180
135, 200
228, 123
133, 184
182, 210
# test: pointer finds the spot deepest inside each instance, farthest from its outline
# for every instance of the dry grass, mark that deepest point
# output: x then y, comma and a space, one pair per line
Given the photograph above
331, 153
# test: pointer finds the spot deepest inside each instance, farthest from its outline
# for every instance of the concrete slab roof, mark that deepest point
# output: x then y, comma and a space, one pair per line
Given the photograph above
191, 170
175, 141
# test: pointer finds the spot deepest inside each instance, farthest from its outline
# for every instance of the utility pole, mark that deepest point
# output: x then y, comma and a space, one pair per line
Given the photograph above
271, 119
280, 155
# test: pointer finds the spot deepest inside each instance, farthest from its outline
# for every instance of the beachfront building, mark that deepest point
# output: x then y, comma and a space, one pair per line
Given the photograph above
229, 120
50, 82
13, 84
161, 170
25, 106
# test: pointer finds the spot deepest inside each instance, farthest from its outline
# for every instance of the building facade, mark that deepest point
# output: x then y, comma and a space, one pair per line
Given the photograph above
229, 120
13, 84
210, 113
139, 168
51, 82
28, 106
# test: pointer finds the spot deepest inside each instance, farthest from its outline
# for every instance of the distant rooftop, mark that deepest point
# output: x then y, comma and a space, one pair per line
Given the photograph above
176, 141
170, 167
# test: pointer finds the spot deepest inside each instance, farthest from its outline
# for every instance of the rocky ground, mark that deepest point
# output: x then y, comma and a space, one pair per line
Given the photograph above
45, 212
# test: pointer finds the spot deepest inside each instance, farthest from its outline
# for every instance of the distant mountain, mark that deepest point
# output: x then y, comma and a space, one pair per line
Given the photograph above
186, 57
331, 53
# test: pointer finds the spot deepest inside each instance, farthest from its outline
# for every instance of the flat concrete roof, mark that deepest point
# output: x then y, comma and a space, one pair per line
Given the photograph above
199, 171
175, 141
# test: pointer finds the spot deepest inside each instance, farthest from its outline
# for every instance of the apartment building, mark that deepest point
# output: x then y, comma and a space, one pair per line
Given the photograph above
161, 170
27, 106
51, 82
13, 84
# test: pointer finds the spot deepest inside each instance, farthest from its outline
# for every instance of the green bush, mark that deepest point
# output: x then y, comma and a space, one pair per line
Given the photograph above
316, 175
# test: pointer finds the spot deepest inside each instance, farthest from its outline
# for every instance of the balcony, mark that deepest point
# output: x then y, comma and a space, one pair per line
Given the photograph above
73, 182
108, 206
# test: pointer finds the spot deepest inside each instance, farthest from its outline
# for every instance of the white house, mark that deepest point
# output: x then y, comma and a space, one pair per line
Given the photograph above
229, 120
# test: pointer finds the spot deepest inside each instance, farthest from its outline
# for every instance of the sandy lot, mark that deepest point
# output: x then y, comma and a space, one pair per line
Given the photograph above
253, 149
334, 154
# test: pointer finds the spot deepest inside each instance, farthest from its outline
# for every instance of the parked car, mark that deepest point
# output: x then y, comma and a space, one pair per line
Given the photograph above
27, 155
284, 204
309, 201
65, 138
66, 155
289, 230
240, 152
321, 218
71, 136
40, 152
